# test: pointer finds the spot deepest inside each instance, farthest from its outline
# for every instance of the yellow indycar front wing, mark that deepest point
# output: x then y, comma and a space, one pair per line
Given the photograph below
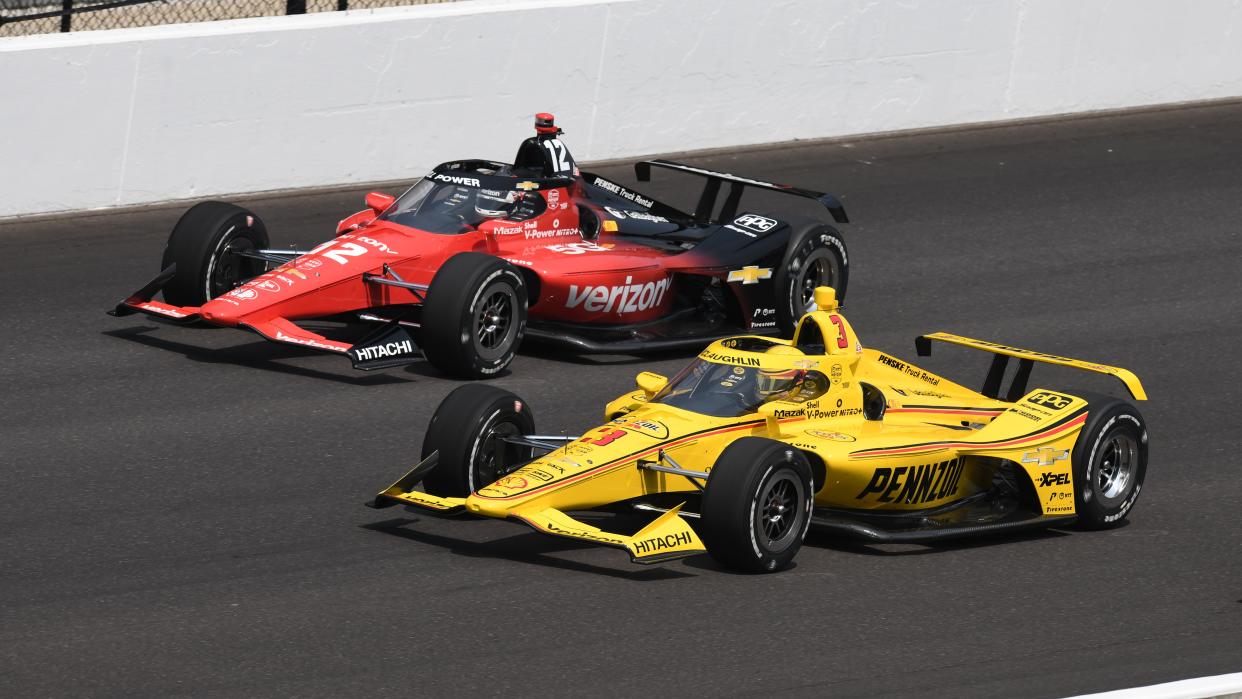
666, 538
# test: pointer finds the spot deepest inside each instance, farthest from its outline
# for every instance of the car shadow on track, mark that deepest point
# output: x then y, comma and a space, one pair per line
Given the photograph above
568, 356
525, 547
255, 355
837, 543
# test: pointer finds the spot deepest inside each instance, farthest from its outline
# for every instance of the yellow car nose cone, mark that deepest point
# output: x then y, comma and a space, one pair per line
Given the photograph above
486, 508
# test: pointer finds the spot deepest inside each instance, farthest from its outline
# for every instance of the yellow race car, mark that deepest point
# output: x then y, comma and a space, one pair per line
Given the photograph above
760, 438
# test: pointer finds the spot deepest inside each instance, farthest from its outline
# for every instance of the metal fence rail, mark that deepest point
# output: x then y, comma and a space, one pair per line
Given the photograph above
21, 17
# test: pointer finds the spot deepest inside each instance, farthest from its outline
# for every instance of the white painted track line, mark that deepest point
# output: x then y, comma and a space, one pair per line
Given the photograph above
1223, 686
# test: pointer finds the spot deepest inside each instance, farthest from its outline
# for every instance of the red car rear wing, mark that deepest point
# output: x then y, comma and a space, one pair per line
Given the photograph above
711, 190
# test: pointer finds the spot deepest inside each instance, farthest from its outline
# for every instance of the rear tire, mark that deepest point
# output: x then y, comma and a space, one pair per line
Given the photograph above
816, 256
1109, 462
474, 317
757, 505
464, 430
201, 244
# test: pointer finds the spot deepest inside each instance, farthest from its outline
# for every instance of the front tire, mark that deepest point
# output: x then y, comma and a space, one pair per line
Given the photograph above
1109, 462
816, 256
757, 505
474, 317
202, 246
464, 430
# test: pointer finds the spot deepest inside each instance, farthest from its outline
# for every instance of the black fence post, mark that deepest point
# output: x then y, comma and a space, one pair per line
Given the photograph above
342, 5
295, 7
67, 6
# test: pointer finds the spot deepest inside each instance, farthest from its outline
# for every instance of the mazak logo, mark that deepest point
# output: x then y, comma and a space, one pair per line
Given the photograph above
388, 349
626, 298
755, 222
1048, 399
1049, 479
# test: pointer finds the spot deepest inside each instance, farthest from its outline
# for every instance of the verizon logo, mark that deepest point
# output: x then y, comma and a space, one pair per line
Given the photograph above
626, 298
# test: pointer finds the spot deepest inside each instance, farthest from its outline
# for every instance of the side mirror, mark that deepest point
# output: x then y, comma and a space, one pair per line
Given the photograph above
588, 223
651, 383
379, 202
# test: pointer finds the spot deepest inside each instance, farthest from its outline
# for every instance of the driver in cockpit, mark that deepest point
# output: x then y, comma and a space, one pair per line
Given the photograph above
477, 206
794, 385
492, 203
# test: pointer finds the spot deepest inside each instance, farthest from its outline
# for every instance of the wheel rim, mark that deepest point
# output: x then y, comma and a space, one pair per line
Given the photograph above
1117, 465
779, 510
494, 324
488, 468
819, 269
228, 270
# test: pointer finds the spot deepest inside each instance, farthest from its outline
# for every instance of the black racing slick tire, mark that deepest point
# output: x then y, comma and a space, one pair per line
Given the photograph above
474, 317
757, 505
1109, 461
465, 429
202, 246
815, 256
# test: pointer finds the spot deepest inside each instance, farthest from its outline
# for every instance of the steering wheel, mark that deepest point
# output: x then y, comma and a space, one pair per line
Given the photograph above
743, 401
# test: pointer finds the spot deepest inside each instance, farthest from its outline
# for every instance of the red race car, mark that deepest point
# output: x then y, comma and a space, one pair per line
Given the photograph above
479, 254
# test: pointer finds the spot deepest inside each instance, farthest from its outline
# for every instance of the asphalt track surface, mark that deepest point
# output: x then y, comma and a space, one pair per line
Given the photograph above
182, 510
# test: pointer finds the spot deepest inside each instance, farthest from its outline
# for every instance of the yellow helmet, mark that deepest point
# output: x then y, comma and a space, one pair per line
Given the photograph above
770, 382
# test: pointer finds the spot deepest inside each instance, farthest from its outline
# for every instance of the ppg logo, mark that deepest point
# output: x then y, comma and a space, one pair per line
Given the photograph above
1048, 399
755, 222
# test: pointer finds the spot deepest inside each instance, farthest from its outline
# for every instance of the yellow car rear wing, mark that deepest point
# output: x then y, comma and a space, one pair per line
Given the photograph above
1027, 359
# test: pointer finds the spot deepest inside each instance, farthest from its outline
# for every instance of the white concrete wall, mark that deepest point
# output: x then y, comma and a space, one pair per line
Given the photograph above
102, 119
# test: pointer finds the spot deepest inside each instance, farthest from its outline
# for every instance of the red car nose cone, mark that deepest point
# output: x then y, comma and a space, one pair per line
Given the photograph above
225, 310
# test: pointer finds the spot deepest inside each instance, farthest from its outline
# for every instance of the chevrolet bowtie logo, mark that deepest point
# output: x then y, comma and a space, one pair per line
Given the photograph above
527, 186
750, 274
1045, 456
